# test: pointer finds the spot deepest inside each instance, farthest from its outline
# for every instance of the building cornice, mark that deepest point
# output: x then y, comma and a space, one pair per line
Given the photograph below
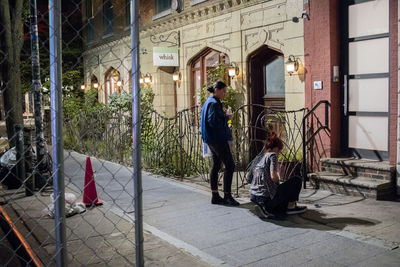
106, 45
195, 14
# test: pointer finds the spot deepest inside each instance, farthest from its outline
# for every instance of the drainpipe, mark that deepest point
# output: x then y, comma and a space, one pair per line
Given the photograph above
398, 115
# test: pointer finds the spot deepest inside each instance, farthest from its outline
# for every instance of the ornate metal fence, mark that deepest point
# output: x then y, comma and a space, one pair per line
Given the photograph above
173, 146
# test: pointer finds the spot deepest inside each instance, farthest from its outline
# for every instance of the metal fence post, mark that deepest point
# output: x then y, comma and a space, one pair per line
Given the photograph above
40, 167
56, 125
30, 177
20, 156
137, 175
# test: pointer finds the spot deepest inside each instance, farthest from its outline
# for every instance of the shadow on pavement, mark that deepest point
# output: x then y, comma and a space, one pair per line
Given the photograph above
313, 219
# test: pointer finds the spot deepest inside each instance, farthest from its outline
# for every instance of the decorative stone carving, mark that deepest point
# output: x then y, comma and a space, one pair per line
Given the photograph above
220, 25
274, 35
267, 35
221, 44
250, 40
210, 27
191, 50
191, 33
275, 11
214, 9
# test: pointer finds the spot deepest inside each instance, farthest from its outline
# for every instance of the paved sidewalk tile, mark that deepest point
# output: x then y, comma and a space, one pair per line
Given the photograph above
238, 237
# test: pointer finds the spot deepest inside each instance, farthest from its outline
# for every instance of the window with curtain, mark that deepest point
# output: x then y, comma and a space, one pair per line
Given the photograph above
275, 77
108, 16
162, 5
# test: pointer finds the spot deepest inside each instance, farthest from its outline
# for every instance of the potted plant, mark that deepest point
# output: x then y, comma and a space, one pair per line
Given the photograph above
289, 163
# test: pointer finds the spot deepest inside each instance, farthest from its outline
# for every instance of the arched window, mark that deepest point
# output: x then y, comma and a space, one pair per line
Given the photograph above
275, 77
112, 82
207, 60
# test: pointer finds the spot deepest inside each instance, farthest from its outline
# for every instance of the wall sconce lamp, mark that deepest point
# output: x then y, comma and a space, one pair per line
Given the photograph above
119, 83
96, 85
292, 65
233, 69
147, 78
141, 80
83, 87
176, 76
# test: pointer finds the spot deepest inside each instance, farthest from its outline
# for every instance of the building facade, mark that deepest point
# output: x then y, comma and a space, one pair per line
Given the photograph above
345, 52
252, 34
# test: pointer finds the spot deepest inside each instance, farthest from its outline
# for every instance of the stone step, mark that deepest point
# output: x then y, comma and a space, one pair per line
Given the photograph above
380, 170
349, 185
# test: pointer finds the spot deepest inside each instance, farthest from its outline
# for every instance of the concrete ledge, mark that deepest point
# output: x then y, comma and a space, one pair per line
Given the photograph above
348, 185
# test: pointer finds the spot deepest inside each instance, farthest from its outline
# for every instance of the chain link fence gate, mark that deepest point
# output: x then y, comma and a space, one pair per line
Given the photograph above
58, 206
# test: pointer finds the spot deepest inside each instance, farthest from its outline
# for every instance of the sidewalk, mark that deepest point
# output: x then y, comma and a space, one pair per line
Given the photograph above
184, 229
96, 237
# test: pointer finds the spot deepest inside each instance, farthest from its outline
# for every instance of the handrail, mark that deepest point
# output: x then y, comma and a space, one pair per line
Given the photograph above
306, 141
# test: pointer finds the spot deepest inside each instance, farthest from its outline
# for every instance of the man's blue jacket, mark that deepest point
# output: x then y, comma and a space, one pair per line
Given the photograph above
214, 122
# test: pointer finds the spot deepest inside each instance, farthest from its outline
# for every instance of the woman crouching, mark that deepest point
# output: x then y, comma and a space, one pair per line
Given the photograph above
271, 197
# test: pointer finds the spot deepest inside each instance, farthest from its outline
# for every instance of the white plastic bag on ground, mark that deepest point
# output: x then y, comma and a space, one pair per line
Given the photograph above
9, 159
206, 151
71, 206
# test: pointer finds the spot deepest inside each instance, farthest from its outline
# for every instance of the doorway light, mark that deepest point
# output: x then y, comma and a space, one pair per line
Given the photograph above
176, 76
233, 69
292, 65
147, 78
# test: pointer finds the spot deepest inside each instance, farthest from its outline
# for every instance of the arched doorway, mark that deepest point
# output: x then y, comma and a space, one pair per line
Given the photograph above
266, 87
266, 78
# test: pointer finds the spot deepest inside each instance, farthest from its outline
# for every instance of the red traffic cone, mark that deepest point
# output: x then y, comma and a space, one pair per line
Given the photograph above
89, 191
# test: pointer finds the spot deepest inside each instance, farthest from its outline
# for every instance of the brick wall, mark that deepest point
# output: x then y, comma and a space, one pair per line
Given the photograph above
146, 11
321, 49
393, 80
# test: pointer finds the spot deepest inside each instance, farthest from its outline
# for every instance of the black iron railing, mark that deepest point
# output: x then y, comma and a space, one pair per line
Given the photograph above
172, 146
310, 121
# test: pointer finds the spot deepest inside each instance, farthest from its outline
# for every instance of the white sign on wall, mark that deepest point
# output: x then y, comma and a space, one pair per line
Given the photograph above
166, 56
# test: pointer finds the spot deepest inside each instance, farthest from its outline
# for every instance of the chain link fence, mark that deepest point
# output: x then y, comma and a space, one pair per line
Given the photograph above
94, 223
